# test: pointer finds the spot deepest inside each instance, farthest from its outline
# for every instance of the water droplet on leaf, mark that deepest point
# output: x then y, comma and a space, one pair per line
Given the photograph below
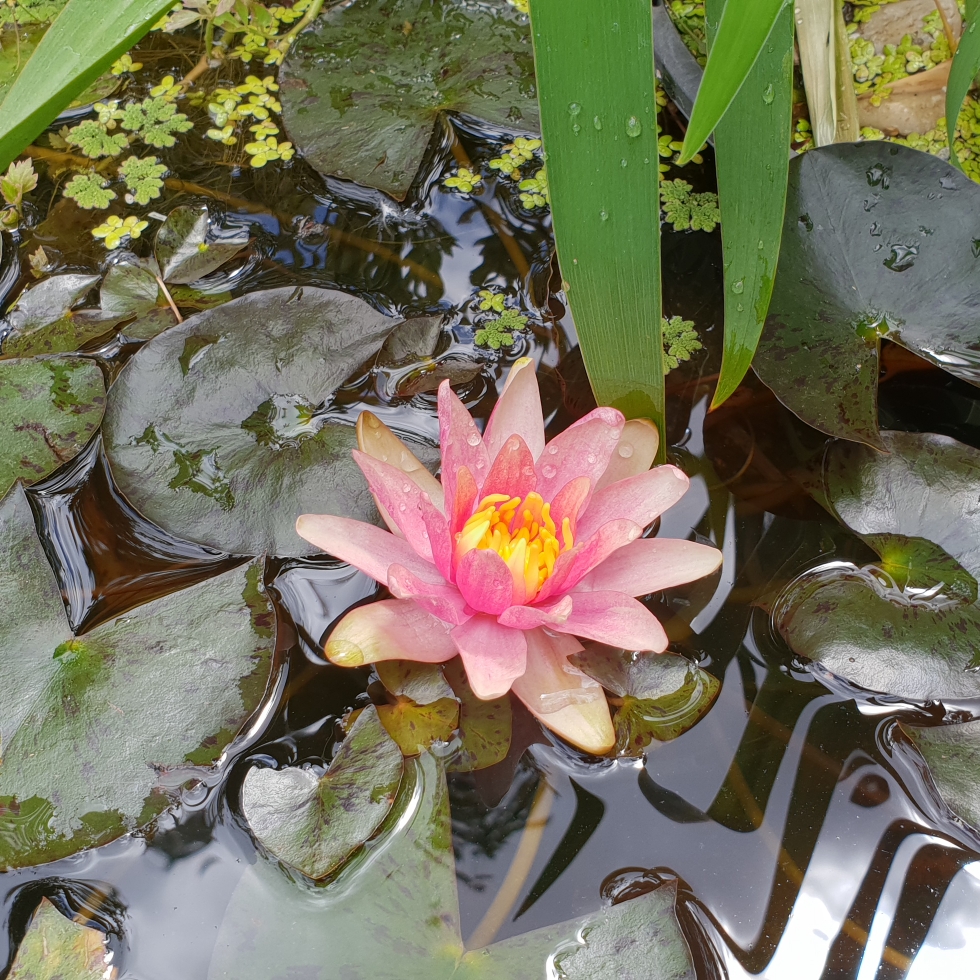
633, 127
738, 286
597, 122
769, 94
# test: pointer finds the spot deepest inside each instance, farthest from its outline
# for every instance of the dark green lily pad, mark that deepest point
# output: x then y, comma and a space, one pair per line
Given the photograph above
881, 639
485, 727
363, 89
952, 753
87, 723
316, 824
218, 429
658, 696
394, 915
921, 564
55, 948
187, 248
49, 409
879, 241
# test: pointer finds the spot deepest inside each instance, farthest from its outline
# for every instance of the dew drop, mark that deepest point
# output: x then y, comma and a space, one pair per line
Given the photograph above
402, 507
590, 459
480, 463
625, 450
739, 307
769, 94
574, 108
597, 122
738, 287
603, 215
548, 471
622, 163
473, 438
633, 127
407, 487
552, 450
576, 129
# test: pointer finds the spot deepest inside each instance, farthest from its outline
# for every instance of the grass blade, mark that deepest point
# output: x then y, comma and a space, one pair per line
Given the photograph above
752, 163
742, 33
84, 40
595, 77
966, 65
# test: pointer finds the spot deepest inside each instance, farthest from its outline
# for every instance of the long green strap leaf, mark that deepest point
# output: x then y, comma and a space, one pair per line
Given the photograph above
752, 144
84, 40
595, 76
965, 67
742, 33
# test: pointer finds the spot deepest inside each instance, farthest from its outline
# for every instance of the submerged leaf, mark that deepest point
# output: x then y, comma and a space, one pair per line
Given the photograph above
55, 948
952, 753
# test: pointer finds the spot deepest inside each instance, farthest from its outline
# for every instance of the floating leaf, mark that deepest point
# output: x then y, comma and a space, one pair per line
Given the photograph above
952, 753
352, 119
316, 824
411, 342
49, 409
187, 247
127, 290
921, 564
484, 726
55, 948
870, 230
87, 723
662, 695
424, 710
219, 433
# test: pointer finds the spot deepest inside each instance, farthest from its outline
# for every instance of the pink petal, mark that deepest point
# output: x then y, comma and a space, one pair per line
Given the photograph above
615, 619
439, 537
531, 617
364, 546
440, 599
392, 629
561, 697
518, 411
570, 501
641, 499
512, 471
463, 501
461, 443
493, 655
634, 454
485, 581
651, 564
583, 449
401, 499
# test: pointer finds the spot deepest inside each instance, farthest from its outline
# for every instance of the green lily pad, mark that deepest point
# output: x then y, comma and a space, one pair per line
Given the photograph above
128, 290
879, 241
316, 824
87, 723
187, 248
659, 696
394, 915
880, 638
363, 89
49, 409
218, 430
485, 727
55, 948
921, 564
952, 753
423, 708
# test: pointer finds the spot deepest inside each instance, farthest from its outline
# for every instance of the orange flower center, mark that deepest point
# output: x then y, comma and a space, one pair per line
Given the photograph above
522, 532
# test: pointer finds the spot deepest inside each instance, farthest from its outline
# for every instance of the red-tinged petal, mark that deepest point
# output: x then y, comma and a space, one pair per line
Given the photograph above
614, 619
401, 499
439, 537
392, 629
561, 697
440, 599
512, 471
464, 500
364, 546
634, 454
518, 411
485, 581
570, 501
461, 443
651, 564
641, 499
494, 656
583, 449
531, 617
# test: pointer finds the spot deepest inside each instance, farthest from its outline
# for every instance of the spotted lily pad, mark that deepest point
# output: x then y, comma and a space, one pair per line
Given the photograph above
952, 753
362, 90
879, 241
49, 409
423, 708
55, 948
87, 723
219, 430
188, 247
315, 824
485, 727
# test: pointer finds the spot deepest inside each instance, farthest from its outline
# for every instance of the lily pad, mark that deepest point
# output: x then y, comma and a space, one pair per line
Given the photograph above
395, 916
49, 409
657, 696
363, 89
87, 723
485, 727
316, 824
423, 708
219, 431
55, 948
952, 753
128, 290
879, 241
187, 247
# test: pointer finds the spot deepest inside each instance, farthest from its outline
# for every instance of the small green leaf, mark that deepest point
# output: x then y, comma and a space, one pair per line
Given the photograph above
89, 191
128, 289
680, 341
187, 248
686, 211
155, 120
143, 177
962, 74
95, 141
55, 948
952, 753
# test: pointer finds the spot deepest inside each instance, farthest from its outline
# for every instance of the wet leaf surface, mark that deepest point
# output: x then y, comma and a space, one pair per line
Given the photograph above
879, 240
187, 247
49, 409
55, 948
485, 727
127, 290
87, 724
952, 753
423, 708
220, 432
316, 824
352, 120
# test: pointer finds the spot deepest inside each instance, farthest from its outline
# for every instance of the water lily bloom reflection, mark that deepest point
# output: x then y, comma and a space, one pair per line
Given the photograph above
522, 548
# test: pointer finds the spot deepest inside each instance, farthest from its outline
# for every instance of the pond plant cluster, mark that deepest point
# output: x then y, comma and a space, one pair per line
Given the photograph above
346, 635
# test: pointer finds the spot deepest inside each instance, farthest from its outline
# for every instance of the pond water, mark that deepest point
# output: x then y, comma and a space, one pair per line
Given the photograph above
805, 838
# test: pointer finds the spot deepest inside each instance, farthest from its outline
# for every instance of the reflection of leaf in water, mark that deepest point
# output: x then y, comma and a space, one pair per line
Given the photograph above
952, 753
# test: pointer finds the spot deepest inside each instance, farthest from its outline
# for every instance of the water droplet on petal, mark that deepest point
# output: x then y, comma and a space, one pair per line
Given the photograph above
590, 459
548, 471
473, 438
402, 507
407, 487
552, 450
625, 450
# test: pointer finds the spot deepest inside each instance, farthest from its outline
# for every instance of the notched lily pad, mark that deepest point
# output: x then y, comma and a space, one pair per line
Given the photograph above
485, 727
352, 119
423, 709
49, 409
316, 824
879, 241
55, 948
219, 430
87, 722
187, 248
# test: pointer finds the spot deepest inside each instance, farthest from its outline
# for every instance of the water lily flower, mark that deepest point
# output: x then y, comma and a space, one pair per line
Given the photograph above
522, 547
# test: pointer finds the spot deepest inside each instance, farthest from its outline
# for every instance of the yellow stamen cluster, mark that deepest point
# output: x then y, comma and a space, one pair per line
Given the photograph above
522, 532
